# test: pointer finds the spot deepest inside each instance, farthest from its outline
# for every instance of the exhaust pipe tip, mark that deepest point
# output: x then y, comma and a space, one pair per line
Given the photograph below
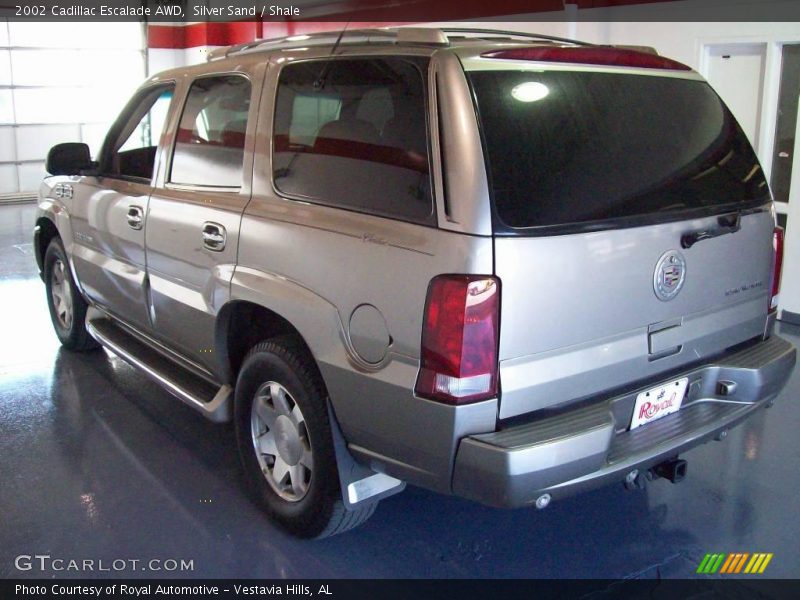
674, 470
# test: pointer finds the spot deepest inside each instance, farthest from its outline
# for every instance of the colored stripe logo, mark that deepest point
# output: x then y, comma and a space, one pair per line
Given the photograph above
734, 562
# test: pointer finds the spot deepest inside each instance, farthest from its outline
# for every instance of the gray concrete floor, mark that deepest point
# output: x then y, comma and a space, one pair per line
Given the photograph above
97, 462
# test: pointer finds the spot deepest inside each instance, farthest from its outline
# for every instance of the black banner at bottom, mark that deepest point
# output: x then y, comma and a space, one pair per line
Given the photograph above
383, 589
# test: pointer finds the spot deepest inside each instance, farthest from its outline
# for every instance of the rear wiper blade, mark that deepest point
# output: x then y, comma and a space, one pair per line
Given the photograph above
727, 224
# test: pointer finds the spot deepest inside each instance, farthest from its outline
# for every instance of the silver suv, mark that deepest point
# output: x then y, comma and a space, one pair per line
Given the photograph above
502, 266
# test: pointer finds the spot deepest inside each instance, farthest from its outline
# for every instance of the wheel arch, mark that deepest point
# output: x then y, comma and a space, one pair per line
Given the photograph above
43, 233
240, 325
269, 305
53, 220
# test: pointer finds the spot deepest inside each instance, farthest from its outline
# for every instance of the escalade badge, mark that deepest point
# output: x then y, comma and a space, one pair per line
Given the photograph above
669, 276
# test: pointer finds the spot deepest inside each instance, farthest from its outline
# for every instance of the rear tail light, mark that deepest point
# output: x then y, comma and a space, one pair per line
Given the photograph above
459, 339
777, 264
594, 55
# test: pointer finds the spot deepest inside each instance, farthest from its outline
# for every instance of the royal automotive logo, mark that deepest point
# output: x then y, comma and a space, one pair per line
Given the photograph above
735, 562
669, 276
648, 410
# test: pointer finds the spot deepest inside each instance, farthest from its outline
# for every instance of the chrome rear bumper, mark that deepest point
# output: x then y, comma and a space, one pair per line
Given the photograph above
588, 447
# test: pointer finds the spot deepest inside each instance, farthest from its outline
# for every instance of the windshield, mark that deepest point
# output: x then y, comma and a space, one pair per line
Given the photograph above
567, 148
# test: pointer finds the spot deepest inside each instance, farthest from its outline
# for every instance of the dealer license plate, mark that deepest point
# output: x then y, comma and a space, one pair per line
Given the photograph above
658, 402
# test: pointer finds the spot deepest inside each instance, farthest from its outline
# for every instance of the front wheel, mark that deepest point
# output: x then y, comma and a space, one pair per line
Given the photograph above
67, 306
285, 441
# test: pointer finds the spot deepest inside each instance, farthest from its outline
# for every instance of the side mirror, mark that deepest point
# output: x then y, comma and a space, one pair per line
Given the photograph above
68, 159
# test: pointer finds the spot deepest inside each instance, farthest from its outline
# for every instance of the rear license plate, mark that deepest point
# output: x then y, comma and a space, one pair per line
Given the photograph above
658, 402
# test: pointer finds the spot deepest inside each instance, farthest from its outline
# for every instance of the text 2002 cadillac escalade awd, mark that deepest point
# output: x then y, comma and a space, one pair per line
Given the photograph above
500, 266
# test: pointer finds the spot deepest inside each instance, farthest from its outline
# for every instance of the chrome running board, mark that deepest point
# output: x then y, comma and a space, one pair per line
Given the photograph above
213, 403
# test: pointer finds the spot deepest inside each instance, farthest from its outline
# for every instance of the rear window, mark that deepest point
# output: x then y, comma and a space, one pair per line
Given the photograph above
595, 150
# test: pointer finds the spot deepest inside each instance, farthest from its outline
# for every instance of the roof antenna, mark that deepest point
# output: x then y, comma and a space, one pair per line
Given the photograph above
319, 82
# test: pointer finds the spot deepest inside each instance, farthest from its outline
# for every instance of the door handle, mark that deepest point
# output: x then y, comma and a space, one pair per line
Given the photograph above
214, 236
135, 217
727, 224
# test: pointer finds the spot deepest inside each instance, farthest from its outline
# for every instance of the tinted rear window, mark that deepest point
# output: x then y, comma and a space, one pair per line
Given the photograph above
585, 148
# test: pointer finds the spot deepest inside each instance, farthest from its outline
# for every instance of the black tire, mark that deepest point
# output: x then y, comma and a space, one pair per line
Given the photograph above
318, 511
71, 331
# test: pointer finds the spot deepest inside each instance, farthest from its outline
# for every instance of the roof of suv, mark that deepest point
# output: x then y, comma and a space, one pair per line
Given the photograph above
398, 36
468, 43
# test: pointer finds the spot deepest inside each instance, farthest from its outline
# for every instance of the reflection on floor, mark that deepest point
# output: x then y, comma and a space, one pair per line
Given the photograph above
96, 462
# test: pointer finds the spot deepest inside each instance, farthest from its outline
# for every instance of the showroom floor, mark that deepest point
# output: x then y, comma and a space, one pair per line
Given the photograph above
98, 463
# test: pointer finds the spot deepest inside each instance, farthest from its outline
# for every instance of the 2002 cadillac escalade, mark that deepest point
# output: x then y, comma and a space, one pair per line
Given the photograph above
502, 266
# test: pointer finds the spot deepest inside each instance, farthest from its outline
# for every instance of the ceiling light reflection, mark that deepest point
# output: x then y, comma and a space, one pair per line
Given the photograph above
530, 91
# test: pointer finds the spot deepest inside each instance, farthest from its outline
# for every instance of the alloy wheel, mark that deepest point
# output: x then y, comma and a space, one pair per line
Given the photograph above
281, 441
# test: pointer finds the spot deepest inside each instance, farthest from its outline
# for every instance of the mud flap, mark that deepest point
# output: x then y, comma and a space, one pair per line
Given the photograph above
360, 485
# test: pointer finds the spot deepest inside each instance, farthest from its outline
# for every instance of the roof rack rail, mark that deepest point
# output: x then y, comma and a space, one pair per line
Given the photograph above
396, 35
533, 36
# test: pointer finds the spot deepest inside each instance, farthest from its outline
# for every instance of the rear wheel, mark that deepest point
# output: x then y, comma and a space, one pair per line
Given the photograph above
67, 306
285, 441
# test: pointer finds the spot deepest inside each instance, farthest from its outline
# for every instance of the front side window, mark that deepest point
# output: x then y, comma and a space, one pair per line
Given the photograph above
209, 145
352, 133
133, 148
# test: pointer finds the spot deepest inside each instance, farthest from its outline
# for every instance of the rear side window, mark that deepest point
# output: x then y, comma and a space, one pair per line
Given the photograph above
352, 133
599, 149
209, 145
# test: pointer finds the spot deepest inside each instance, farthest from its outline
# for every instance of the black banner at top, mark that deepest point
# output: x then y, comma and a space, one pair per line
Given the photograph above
399, 11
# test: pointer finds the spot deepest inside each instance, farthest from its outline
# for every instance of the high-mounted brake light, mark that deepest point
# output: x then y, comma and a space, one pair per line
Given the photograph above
459, 339
777, 264
594, 55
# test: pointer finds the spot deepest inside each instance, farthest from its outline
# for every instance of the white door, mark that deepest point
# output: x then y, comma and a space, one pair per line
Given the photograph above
736, 72
790, 280
785, 180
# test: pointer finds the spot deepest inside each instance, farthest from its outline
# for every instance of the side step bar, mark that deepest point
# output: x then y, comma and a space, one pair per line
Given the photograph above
214, 404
